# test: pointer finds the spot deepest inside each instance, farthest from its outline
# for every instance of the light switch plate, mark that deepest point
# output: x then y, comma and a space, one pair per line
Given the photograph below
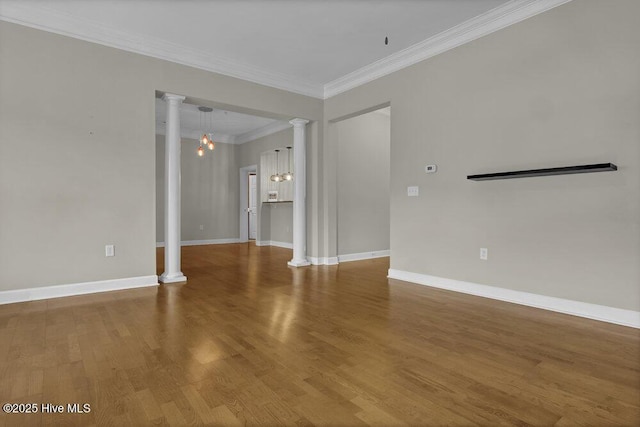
109, 250
413, 191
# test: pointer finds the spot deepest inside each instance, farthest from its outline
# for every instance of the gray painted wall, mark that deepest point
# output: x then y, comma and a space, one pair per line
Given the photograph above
88, 178
209, 191
276, 223
363, 183
559, 89
249, 152
281, 222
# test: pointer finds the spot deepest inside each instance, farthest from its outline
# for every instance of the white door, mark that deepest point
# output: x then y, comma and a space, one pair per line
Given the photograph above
253, 210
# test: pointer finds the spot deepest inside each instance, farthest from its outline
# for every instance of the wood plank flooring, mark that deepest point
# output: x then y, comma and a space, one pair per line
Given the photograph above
250, 341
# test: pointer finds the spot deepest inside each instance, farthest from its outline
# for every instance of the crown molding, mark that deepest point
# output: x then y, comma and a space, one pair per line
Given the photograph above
496, 19
263, 131
43, 18
46, 19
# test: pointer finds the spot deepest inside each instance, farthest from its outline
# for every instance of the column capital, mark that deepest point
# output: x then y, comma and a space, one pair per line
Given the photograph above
298, 122
173, 97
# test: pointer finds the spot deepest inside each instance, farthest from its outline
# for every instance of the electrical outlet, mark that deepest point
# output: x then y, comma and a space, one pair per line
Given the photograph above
413, 191
484, 254
109, 250
201, 227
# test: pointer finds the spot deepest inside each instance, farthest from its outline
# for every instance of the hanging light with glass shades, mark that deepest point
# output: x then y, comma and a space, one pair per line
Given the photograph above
288, 176
206, 123
276, 177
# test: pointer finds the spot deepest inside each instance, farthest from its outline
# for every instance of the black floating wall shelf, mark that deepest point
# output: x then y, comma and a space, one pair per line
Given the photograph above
600, 167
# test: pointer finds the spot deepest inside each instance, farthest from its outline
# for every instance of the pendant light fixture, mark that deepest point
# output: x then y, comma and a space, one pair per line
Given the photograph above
288, 176
276, 177
206, 140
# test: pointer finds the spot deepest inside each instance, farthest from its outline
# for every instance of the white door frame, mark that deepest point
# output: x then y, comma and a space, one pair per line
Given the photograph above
244, 202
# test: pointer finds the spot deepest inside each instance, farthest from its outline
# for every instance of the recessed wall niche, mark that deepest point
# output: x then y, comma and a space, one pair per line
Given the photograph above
272, 163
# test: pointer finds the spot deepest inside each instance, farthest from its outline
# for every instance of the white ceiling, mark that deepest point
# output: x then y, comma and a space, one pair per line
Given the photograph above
315, 41
314, 47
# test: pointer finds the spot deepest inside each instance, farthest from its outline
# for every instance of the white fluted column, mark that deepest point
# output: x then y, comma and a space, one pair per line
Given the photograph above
172, 272
299, 189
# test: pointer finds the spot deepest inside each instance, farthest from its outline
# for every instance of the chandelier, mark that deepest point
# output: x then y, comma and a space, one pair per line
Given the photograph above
206, 123
277, 177
288, 176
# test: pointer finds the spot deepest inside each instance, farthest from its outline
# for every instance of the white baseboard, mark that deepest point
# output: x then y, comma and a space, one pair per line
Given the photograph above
285, 245
602, 313
57, 291
300, 263
364, 255
312, 260
203, 242
281, 244
332, 260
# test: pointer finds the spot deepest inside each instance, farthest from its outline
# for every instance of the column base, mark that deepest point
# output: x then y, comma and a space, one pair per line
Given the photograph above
173, 278
298, 263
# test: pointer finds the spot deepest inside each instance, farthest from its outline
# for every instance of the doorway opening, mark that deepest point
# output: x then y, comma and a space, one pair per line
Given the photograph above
210, 188
252, 211
248, 203
363, 185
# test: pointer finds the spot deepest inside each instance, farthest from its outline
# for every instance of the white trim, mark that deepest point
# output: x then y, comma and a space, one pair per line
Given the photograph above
496, 19
203, 242
602, 313
57, 291
269, 129
46, 19
333, 260
244, 202
209, 242
300, 263
364, 255
285, 245
173, 278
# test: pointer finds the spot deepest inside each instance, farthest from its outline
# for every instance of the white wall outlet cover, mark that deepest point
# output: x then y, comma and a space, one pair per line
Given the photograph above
484, 253
430, 168
109, 250
413, 191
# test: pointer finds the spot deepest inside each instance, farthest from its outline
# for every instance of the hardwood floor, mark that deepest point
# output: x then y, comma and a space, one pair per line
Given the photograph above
249, 340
